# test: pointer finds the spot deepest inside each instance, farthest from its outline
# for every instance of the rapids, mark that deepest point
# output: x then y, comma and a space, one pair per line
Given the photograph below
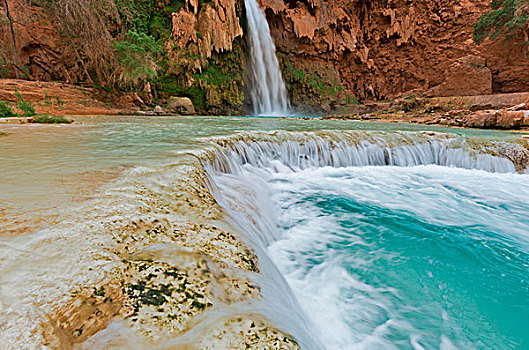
368, 235
399, 242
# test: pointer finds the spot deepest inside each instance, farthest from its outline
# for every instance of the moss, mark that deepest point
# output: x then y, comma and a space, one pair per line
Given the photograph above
148, 295
99, 292
47, 119
217, 89
173, 85
315, 87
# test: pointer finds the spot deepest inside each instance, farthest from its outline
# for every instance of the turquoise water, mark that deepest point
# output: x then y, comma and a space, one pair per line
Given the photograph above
365, 257
424, 257
46, 166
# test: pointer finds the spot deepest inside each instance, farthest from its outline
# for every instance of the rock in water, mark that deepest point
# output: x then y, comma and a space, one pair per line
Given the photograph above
158, 110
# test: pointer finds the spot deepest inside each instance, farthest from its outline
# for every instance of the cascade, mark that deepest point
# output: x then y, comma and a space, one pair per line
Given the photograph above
297, 151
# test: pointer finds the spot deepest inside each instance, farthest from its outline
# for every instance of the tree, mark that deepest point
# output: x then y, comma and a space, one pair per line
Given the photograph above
137, 58
87, 24
508, 18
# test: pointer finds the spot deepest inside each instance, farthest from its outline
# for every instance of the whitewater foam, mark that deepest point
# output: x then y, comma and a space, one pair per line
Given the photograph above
327, 188
257, 179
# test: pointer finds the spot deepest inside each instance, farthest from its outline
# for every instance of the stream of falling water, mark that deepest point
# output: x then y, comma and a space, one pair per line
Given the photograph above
267, 89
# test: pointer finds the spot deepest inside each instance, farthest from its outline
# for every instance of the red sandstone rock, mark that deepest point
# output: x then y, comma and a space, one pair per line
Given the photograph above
467, 76
504, 119
480, 119
58, 98
379, 49
382, 49
217, 29
510, 119
38, 43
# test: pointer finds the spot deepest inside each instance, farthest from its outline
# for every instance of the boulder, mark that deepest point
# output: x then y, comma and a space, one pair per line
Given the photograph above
480, 119
180, 105
510, 119
466, 76
525, 121
158, 110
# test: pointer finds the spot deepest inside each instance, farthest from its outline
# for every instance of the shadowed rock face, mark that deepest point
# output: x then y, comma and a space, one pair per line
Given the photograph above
384, 48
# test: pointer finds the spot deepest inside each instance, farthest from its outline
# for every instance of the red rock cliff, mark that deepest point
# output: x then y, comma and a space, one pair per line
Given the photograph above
332, 51
384, 48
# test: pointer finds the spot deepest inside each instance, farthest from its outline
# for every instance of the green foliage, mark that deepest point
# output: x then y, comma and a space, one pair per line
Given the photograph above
6, 111
26, 107
215, 74
47, 119
323, 84
137, 58
59, 102
173, 86
351, 100
28, 111
147, 16
120, 45
508, 17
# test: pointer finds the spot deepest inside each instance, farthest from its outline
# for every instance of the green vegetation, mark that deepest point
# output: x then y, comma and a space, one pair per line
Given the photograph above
321, 86
137, 58
123, 46
47, 99
49, 119
4, 62
6, 111
99, 292
507, 18
27, 109
172, 85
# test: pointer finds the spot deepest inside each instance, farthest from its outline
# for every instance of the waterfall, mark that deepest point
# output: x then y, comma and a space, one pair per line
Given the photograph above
295, 151
267, 88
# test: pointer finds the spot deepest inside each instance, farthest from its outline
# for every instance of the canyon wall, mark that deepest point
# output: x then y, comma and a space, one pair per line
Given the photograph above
202, 51
334, 53
382, 49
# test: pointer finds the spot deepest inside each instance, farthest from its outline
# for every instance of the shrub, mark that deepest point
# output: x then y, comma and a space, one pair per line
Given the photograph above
87, 27
26, 107
47, 119
507, 18
137, 58
6, 111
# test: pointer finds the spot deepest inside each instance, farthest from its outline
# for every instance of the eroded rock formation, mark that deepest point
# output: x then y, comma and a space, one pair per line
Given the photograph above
382, 49
333, 52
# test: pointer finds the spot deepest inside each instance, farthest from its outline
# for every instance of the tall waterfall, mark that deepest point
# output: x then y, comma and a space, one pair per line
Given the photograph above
267, 88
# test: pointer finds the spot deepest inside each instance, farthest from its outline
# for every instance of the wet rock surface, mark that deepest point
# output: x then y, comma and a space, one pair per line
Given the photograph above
180, 105
172, 275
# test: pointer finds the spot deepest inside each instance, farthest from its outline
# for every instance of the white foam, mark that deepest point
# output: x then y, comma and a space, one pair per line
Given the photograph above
346, 311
